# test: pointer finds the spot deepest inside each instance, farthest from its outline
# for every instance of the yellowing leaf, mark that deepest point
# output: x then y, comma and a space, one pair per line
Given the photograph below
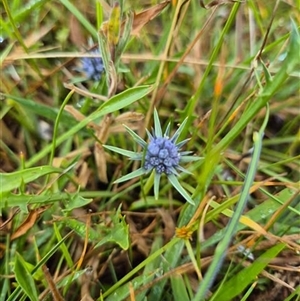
113, 33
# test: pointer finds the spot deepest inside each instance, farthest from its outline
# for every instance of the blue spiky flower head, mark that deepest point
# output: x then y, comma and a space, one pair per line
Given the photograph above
93, 66
162, 155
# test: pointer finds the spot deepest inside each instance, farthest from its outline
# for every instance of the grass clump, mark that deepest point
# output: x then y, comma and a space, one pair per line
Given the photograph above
79, 221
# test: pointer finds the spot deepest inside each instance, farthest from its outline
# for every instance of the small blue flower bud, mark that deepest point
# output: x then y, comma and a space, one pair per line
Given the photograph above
93, 66
162, 155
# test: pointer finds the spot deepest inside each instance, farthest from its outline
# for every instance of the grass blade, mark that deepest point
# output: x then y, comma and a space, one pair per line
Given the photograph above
115, 103
246, 276
231, 227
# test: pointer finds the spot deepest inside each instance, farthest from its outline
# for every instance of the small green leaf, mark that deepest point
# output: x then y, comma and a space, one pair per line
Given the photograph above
5, 53
174, 181
13, 200
24, 278
104, 49
76, 201
267, 73
125, 36
157, 126
119, 233
121, 151
80, 229
139, 172
136, 137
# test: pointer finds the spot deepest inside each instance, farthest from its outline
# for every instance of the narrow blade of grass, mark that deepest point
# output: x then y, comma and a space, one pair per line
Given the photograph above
231, 227
246, 276
115, 103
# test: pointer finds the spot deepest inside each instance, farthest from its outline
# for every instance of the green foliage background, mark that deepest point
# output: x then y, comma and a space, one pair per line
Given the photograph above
68, 232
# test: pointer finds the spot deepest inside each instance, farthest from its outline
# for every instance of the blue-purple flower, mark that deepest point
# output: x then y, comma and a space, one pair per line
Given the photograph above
162, 155
93, 66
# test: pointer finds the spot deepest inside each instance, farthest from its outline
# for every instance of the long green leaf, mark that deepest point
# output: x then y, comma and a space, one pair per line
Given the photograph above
40, 109
261, 212
153, 265
271, 87
15, 295
80, 17
24, 278
13, 200
13, 180
246, 276
124, 99
178, 288
190, 108
222, 247
170, 260
115, 103
123, 292
170, 245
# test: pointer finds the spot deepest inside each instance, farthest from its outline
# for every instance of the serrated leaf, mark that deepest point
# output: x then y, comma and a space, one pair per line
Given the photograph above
80, 229
119, 233
76, 201
13, 200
